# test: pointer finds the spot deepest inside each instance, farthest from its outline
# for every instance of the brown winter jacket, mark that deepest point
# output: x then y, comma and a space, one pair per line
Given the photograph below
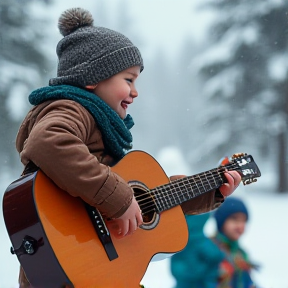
63, 140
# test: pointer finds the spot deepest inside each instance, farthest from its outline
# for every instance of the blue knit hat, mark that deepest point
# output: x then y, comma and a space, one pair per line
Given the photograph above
230, 206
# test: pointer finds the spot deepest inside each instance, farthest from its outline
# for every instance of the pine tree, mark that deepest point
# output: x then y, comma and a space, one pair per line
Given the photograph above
245, 69
23, 65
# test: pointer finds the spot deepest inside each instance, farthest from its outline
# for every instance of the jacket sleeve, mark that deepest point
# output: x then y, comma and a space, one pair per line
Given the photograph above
203, 203
56, 144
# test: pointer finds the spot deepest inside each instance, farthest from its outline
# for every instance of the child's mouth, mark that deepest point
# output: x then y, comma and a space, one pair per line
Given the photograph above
124, 105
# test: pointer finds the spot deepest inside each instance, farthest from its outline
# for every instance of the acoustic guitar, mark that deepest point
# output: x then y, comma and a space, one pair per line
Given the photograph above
62, 242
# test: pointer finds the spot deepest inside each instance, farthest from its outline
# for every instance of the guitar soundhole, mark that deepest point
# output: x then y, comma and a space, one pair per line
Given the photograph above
146, 204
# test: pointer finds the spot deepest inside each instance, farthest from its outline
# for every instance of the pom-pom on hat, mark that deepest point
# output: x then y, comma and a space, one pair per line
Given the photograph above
230, 206
89, 54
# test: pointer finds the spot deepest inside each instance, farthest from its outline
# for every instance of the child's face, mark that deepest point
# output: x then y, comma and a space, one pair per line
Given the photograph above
119, 90
234, 226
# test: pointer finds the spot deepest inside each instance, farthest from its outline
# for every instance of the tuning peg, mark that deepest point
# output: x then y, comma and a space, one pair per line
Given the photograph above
238, 155
249, 181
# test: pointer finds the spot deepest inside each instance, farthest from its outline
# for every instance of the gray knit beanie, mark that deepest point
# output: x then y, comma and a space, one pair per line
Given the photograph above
89, 54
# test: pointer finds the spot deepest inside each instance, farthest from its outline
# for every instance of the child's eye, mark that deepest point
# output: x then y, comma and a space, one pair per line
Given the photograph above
129, 80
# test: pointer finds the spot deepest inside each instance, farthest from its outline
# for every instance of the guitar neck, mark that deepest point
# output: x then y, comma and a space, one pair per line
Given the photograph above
184, 189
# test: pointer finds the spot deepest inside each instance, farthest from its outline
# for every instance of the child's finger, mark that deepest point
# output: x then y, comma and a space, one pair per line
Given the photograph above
122, 228
235, 178
139, 218
132, 226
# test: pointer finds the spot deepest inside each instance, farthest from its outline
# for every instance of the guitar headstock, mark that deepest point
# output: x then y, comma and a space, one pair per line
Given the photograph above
245, 165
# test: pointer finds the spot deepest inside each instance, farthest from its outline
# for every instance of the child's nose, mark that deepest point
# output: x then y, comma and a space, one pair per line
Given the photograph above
134, 92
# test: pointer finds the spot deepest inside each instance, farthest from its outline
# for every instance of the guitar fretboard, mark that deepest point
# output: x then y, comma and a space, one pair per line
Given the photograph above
187, 188
174, 193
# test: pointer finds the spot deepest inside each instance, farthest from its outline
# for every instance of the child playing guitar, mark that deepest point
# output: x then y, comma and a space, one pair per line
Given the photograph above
78, 127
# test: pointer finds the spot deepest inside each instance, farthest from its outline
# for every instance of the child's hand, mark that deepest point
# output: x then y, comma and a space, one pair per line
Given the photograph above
128, 222
234, 179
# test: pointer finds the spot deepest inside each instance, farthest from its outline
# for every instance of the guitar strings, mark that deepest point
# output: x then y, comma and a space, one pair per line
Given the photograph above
183, 180
218, 170
149, 202
184, 194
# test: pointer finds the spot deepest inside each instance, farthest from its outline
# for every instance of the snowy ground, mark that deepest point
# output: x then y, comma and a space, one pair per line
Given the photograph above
266, 241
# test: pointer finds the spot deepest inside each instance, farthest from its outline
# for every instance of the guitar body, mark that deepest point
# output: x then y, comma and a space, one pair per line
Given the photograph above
69, 251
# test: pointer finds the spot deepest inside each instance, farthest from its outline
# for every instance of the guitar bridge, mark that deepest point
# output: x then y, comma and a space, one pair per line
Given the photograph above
102, 231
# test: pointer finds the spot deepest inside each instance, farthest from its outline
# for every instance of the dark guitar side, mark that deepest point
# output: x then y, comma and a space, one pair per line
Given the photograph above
21, 219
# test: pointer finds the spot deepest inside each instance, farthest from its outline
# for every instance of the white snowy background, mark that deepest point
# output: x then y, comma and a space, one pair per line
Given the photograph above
266, 237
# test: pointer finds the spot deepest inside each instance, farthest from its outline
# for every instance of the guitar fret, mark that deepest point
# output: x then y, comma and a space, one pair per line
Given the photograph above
180, 191
165, 198
177, 188
210, 172
202, 185
220, 176
208, 184
158, 200
198, 189
160, 203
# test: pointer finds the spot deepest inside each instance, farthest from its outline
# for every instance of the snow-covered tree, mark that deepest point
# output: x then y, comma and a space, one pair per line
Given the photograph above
245, 72
23, 64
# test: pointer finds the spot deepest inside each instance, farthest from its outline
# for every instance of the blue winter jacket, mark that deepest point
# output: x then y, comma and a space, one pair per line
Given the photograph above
197, 265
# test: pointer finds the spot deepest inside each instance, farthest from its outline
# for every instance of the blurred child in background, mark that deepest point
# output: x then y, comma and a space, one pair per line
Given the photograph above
197, 265
235, 269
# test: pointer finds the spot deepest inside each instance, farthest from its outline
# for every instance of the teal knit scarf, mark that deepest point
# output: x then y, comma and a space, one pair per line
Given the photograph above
240, 277
232, 244
115, 132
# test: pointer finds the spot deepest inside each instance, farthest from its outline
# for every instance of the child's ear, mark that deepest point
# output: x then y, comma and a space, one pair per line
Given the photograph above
91, 87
